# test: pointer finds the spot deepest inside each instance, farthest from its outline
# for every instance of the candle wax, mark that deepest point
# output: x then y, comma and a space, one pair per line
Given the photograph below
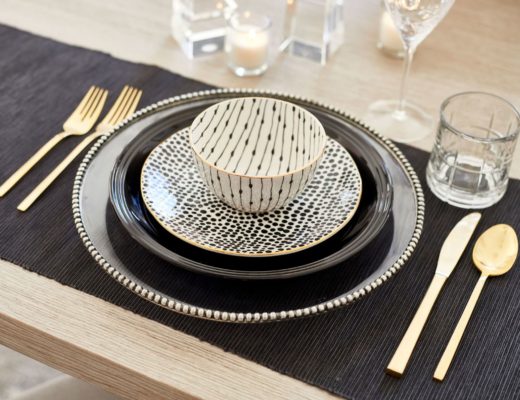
248, 49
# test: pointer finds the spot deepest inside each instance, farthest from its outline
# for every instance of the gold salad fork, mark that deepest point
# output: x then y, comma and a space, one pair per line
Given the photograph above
80, 122
124, 106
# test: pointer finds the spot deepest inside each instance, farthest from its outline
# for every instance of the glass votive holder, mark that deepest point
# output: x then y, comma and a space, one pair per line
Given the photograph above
389, 40
476, 138
199, 26
247, 43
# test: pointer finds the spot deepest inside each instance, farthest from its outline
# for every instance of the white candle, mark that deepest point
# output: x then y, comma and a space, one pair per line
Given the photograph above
389, 37
247, 43
248, 49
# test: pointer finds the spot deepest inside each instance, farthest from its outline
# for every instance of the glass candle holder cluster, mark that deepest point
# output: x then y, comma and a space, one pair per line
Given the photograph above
312, 29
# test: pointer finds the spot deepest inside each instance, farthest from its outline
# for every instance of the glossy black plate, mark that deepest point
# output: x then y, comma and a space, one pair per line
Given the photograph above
211, 297
371, 216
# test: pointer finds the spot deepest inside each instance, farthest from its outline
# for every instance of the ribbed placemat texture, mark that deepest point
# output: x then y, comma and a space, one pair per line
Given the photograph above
344, 351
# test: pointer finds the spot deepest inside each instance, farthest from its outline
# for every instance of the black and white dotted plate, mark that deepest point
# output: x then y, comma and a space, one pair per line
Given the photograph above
232, 300
179, 200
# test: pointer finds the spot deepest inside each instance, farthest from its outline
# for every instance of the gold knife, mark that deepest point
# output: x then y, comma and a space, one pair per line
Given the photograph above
449, 256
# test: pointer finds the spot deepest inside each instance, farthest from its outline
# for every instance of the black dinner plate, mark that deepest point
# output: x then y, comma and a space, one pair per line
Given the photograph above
234, 300
370, 218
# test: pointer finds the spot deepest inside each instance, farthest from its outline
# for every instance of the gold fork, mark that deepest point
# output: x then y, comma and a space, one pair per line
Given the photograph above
80, 122
124, 106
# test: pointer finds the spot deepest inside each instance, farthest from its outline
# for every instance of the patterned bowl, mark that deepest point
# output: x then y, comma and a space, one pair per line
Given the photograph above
256, 153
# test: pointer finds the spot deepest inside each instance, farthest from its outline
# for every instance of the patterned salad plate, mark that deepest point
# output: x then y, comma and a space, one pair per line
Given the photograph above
166, 271
177, 197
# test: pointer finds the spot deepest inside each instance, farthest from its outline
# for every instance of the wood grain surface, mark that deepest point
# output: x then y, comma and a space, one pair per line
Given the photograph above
126, 354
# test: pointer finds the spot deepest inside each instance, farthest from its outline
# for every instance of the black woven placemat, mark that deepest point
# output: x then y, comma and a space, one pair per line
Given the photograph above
344, 351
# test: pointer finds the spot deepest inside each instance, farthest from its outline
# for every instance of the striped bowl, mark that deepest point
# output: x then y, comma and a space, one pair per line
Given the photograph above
256, 153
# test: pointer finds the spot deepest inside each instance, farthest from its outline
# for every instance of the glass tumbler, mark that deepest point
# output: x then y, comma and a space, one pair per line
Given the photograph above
470, 161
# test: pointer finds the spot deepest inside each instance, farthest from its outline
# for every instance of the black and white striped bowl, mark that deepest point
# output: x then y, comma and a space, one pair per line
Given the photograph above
256, 154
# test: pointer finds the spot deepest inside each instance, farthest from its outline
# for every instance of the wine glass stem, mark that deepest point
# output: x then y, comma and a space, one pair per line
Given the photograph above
409, 51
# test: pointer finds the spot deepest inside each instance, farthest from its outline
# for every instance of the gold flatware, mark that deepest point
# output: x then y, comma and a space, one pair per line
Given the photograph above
449, 256
124, 106
80, 122
494, 254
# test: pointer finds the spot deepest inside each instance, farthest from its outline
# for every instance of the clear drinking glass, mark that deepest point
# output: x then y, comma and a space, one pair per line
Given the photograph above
247, 43
472, 154
398, 119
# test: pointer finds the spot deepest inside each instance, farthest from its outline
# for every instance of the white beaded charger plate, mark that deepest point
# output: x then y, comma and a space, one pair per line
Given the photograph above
177, 197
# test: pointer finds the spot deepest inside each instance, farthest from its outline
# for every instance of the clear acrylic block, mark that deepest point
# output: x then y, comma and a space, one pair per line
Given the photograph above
199, 26
313, 29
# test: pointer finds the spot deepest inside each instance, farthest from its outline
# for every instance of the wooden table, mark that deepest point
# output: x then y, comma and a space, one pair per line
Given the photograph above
477, 47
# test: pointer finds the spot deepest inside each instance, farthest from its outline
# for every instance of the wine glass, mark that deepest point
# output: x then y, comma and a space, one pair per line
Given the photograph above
398, 119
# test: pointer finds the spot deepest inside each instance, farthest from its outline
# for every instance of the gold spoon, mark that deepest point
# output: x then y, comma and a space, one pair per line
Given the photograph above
494, 254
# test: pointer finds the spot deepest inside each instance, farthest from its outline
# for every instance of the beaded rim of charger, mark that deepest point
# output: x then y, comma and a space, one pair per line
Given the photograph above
239, 317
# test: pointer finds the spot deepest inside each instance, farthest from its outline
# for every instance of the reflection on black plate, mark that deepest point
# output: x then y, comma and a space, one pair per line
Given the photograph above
257, 300
369, 219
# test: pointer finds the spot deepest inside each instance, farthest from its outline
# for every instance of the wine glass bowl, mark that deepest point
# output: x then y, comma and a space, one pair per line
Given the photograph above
398, 119
416, 19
